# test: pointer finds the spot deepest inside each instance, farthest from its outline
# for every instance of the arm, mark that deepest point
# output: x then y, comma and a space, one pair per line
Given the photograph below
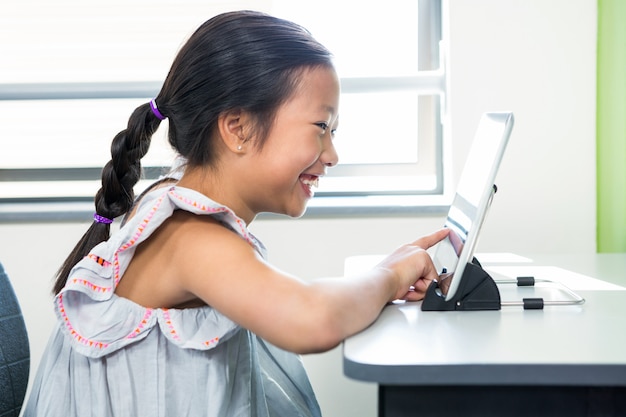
224, 271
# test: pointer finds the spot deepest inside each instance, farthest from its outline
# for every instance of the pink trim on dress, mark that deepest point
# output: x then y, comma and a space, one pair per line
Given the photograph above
79, 338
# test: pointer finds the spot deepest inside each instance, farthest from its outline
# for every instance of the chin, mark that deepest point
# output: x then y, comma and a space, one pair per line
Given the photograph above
293, 208
296, 212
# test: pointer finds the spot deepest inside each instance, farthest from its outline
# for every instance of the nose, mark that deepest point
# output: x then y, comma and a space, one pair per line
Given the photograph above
329, 156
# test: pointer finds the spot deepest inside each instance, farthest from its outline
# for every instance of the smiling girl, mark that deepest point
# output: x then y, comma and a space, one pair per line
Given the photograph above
178, 313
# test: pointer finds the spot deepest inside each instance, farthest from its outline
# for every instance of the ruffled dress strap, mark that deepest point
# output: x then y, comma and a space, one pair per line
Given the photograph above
99, 322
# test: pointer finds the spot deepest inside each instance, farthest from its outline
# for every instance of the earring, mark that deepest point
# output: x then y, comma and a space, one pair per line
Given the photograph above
239, 147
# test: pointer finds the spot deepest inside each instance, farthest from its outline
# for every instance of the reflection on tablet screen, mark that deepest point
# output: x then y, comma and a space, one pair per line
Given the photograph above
471, 201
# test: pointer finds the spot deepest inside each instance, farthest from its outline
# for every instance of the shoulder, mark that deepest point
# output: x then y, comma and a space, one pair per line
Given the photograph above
190, 228
206, 241
182, 238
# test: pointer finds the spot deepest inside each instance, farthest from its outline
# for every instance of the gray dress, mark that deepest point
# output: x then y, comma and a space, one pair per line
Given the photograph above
109, 356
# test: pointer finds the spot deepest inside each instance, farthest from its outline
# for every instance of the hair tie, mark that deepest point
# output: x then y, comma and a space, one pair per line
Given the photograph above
101, 219
155, 110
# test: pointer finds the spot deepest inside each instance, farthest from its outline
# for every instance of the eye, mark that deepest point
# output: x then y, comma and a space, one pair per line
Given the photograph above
322, 125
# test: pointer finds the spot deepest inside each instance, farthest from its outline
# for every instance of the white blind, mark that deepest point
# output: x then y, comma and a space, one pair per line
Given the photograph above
388, 138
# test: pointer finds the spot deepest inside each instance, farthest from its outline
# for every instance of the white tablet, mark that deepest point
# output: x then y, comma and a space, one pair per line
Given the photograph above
471, 201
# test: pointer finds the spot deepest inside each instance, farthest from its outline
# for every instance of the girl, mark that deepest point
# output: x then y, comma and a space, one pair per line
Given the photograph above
178, 313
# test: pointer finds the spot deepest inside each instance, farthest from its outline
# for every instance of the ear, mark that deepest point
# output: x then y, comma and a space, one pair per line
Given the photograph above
232, 127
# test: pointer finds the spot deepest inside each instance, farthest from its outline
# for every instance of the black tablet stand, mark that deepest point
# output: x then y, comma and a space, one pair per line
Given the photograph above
477, 291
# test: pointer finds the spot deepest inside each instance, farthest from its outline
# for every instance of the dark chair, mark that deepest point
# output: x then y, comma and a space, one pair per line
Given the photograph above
14, 351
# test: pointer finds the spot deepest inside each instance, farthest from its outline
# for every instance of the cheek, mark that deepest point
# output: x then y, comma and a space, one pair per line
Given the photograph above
301, 154
292, 155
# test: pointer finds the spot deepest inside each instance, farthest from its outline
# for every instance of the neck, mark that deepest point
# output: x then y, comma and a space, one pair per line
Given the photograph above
218, 188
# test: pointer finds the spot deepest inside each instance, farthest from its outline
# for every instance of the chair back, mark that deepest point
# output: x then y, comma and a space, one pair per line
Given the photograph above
14, 351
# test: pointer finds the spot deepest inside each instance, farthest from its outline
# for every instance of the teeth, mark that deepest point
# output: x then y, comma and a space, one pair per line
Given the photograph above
311, 182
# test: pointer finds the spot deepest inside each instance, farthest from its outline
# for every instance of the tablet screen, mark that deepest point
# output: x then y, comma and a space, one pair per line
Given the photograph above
471, 201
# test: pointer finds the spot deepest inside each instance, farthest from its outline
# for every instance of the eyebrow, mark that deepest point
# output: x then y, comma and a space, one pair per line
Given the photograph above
329, 109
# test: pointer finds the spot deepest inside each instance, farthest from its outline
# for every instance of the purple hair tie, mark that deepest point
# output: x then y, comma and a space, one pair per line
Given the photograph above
155, 110
101, 219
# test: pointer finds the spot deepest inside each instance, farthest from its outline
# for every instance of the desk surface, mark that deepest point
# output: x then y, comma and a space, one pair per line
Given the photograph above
560, 345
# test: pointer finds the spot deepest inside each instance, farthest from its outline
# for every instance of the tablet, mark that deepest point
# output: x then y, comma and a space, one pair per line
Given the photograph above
471, 201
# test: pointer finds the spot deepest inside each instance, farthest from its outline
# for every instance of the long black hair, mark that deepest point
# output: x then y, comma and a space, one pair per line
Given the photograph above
242, 60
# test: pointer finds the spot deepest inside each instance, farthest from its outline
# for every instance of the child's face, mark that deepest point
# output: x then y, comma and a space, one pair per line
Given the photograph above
299, 148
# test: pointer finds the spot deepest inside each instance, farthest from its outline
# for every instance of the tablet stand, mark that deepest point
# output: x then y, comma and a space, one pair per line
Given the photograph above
477, 291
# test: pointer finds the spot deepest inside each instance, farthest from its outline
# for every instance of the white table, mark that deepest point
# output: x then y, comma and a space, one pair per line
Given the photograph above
562, 360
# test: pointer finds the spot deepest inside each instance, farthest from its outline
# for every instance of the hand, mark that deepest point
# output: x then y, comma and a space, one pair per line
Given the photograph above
412, 267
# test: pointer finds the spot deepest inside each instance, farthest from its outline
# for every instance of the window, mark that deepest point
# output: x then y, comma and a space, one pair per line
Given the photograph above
73, 72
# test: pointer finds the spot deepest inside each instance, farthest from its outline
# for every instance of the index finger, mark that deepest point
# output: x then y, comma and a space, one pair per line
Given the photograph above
432, 239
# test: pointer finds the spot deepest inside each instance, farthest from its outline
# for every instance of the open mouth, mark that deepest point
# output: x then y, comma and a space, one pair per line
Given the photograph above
310, 182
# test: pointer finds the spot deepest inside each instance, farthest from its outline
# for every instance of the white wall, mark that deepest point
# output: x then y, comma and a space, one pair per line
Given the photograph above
534, 57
